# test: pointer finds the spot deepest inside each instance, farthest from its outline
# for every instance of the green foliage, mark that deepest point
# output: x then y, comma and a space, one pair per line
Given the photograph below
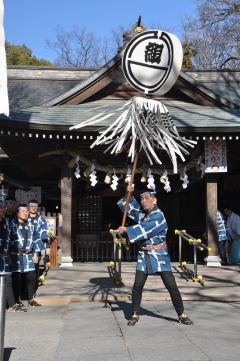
188, 54
22, 55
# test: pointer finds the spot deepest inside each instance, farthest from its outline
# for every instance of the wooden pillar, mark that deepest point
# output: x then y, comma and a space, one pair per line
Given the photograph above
213, 258
65, 236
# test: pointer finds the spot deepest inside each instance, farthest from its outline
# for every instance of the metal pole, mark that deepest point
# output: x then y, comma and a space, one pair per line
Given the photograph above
115, 255
3, 283
119, 260
195, 260
180, 249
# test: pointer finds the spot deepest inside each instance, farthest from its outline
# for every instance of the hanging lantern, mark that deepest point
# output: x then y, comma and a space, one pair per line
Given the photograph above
108, 178
143, 178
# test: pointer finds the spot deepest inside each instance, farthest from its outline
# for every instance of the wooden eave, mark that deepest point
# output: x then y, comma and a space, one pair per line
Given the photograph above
25, 129
103, 77
98, 81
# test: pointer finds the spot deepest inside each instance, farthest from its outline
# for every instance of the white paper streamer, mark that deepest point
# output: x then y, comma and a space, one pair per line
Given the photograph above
115, 180
93, 177
144, 124
128, 175
164, 179
150, 180
184, 178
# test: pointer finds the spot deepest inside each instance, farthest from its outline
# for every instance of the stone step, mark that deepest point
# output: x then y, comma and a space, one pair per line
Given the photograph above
91, 282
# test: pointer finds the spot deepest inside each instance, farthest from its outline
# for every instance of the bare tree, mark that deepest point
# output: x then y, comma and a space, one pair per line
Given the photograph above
214, 33
79, 48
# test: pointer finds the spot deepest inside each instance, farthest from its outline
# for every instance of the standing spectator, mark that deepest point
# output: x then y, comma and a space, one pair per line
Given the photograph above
4, 258
222, 237
24, 245
40, 225
37, 220
233, 229
11, 206
4, 239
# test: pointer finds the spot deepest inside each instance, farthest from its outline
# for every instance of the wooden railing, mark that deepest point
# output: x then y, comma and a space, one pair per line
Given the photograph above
54, 251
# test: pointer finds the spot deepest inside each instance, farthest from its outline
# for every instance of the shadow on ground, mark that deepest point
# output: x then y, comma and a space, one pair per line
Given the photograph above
7, 353
126, 308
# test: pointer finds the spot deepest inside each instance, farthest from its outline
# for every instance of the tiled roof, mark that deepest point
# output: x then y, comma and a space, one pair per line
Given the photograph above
31, 86
185, 115
27, 93
225, 83
32, 89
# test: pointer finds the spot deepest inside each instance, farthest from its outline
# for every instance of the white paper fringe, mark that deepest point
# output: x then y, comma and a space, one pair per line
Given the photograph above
144, 124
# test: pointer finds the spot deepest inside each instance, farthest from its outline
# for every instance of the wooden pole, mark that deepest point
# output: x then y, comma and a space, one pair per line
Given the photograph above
129, 193
119, 250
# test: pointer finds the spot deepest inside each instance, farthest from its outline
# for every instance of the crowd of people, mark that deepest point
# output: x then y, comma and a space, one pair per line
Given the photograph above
23, 236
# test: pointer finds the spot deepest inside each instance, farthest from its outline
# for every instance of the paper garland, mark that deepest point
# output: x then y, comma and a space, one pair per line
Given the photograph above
113, 179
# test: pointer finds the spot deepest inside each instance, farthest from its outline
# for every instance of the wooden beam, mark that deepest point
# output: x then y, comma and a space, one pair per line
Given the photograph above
211, 220
65, 234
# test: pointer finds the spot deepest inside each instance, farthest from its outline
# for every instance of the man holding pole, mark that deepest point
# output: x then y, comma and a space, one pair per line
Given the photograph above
150, 235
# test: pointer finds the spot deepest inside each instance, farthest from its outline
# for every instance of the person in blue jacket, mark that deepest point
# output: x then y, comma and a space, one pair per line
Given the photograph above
222, 237
149, 233
41, 226
24, 246
39, 222
4, 239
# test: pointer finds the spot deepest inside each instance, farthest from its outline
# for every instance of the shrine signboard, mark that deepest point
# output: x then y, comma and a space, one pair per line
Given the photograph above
215, 156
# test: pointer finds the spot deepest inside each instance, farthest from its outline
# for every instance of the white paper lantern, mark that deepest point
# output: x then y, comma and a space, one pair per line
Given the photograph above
152, 61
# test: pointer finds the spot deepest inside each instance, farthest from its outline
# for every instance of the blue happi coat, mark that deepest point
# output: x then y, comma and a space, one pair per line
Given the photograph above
151, 228
221, 228
23, 236
4, 245
40, 224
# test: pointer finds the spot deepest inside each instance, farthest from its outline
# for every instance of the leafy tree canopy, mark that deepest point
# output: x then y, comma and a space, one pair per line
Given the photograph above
22, 55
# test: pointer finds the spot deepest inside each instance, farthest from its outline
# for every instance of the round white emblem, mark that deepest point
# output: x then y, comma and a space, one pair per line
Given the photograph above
152, 61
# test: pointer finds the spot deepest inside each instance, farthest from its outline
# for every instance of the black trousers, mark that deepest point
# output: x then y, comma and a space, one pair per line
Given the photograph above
24, 285
170, 284
10, 298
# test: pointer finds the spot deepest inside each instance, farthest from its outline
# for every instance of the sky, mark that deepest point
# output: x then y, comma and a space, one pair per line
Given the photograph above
33, 22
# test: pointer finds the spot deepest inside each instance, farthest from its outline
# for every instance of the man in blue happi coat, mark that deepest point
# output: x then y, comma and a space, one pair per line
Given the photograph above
222, 237
4, 254
41, 226
150, 235
37, 220
4, 239
24, 245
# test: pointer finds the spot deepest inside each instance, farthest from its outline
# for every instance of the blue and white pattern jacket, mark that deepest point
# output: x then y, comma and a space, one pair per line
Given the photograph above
151, 228
23, 236
4, 246
40, 224
222, 233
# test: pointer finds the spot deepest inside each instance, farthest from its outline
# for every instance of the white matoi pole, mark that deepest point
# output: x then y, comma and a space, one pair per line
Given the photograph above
4, 104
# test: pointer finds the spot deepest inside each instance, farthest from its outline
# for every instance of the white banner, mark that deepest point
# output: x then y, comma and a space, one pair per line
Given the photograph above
215, 156
25, 196
4, 105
